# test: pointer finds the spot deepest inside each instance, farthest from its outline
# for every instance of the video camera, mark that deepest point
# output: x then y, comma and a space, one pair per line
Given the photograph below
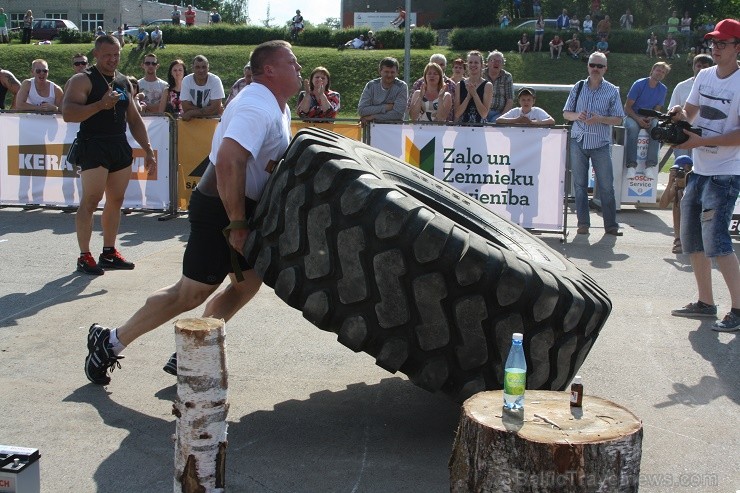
667, 130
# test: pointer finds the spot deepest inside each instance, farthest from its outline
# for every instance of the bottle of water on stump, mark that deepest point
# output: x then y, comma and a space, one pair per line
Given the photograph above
515, 375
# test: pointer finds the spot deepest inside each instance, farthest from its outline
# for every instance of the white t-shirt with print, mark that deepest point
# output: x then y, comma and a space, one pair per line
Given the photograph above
152, 91
200, 96
719, 114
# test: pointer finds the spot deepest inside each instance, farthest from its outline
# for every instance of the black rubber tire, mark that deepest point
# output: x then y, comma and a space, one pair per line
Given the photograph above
415, 273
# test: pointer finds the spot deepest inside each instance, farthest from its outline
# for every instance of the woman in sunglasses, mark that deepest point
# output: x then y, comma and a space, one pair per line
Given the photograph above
39, 93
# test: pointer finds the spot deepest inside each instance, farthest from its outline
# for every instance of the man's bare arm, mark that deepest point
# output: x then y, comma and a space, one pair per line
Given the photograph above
231, 175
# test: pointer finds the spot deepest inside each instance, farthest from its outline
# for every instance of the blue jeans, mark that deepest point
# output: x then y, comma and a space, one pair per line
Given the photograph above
633, 129
706, 212
601, 159
492, 115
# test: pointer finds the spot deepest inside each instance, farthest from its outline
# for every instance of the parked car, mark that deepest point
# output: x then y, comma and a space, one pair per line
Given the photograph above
48, 29
529, 25
149, 26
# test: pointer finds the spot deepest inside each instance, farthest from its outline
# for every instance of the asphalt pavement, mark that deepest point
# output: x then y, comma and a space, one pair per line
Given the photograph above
309, 415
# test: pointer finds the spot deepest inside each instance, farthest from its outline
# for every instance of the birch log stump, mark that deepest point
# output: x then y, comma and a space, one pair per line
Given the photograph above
201, 406
550, 447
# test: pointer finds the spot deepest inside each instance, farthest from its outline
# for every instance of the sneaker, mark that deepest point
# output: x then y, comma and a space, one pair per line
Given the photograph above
582, 230
171, 365
730, 323
86, 263
100, 358
697, 309
114, 261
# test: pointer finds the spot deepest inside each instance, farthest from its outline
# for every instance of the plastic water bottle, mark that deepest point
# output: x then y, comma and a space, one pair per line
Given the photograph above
515, 374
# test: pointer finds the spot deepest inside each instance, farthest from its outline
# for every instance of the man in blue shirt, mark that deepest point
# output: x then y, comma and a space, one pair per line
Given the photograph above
647, 93
594, 106
563, 21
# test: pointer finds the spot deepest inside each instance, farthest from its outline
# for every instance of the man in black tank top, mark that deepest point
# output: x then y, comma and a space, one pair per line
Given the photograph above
99, 99
8, 83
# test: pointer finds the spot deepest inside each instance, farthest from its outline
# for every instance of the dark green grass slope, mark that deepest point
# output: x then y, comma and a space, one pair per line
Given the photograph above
350, 69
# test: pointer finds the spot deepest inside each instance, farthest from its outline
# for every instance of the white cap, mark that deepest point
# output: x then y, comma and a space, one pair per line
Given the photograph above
577, 380
517, 337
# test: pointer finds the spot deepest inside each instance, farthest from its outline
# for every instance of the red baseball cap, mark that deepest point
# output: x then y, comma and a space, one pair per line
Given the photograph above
726, 29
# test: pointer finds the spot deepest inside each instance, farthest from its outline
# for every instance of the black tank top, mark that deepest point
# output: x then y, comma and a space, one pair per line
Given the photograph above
106, 122
471, 114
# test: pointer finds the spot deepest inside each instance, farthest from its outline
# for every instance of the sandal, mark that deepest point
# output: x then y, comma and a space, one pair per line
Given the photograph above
677, 246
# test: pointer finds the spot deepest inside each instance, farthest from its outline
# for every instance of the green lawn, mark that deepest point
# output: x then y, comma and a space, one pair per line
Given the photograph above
350, 69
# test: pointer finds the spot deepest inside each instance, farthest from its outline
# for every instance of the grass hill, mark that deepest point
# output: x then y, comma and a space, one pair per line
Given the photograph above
350, 69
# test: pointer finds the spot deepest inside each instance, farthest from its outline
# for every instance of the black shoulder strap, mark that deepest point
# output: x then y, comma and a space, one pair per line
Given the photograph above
578, 93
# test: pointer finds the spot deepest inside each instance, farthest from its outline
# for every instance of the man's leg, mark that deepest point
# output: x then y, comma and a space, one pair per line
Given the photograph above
653, 148
730, 269
579, 175
602, 163
231, 299
93, 186
104, 346
702, 267
632, 129
115, 190
163, 305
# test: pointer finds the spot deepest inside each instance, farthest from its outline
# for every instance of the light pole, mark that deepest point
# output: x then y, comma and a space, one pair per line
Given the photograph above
407, 45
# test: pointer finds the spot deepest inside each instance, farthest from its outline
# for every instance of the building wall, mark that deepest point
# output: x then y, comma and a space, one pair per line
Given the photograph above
426, 11
115, 12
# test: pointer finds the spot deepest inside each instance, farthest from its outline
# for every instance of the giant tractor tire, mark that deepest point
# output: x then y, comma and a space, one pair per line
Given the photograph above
417, 274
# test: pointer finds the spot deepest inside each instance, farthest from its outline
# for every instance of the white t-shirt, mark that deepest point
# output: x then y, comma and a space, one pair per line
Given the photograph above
152, 91
681, 93
719, 113
535, 114
200, 96
254, 120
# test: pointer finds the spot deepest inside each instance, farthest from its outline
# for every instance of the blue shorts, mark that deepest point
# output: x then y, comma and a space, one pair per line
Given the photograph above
706, 212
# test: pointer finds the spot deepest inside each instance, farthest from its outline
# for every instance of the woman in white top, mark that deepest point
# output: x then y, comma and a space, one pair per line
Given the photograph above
432, 102
38, 93
588, 25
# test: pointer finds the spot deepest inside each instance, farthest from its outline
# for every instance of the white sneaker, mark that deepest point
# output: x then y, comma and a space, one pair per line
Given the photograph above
631, 172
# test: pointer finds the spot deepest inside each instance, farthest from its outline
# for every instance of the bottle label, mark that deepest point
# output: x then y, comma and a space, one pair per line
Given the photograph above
515, 381
574, 397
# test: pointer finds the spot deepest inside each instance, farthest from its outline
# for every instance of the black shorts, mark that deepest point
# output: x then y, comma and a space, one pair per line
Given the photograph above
112, 152
207, 256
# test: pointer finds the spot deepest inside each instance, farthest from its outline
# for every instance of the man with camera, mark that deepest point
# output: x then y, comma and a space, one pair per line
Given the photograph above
712, 187
647, 93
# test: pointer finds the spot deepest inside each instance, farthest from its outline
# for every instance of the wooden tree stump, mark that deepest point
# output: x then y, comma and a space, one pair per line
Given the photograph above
550, 447
201, 406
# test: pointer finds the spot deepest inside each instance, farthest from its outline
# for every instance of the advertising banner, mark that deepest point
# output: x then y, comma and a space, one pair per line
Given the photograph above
517, 172
34, 168
375, 21
194, 139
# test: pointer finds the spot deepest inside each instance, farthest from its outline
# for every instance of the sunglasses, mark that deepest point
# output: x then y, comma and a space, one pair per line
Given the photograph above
41, 70
596, 65
151, 63
79, 64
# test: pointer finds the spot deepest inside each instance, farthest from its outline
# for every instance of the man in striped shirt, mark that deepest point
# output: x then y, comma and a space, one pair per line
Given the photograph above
594, 106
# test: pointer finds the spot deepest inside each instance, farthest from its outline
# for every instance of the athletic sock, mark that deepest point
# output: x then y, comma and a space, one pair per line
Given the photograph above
117, 345
108, 250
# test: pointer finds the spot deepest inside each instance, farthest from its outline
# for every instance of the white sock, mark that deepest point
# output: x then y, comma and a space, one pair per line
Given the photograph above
115, 343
